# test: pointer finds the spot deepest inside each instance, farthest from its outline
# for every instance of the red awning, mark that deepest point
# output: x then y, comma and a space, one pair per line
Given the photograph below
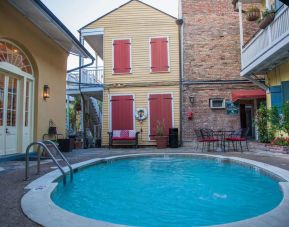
248, 94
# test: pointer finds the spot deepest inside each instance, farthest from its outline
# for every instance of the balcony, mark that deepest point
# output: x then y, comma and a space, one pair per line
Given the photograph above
269, 47
91, 81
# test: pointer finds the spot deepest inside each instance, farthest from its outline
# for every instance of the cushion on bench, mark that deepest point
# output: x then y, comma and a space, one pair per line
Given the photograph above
123, 135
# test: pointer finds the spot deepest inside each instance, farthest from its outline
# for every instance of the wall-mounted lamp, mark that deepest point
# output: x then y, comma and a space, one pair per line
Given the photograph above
192, 99
46, 92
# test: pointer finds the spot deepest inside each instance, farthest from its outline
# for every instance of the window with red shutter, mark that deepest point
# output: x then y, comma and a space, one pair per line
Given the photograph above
121, 56
160, 110
122, 112
159, 54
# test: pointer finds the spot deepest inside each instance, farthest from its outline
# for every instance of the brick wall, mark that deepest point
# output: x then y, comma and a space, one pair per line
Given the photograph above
211, 53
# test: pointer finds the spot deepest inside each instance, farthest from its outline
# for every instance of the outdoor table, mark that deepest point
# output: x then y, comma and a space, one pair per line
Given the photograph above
221, 135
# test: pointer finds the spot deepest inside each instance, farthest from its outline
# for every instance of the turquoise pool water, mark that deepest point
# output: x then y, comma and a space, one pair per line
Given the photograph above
169, 191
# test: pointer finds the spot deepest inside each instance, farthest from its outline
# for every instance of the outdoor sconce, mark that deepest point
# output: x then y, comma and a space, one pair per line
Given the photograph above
192, 99
46, 92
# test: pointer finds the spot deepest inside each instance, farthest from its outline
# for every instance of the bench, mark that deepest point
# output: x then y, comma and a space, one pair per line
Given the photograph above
123, 135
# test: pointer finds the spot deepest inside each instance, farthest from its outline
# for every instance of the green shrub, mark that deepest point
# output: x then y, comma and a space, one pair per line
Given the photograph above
268, 123
285, 123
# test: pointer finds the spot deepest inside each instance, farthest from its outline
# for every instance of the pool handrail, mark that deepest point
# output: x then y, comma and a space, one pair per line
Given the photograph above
44, 144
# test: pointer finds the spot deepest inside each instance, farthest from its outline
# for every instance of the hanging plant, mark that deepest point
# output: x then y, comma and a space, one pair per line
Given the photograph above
253, 13
267, 18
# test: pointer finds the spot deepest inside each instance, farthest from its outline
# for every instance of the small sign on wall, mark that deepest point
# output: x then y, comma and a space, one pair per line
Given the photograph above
232, 108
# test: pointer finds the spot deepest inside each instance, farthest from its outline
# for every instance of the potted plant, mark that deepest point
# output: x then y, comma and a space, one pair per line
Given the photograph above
253, 13
161, 138
267, 17
78, 144
77, 104
279, 145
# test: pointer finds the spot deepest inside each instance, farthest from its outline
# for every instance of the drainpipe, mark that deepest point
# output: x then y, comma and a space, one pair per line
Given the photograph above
81, 66
180, 22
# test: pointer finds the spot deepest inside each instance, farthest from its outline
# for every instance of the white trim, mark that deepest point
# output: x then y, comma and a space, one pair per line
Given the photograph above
110, 108
149, 110
9, 68
130, 58
169, 55
91, 32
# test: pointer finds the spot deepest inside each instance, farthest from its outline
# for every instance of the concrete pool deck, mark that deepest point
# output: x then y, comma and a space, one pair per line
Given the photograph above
12, 184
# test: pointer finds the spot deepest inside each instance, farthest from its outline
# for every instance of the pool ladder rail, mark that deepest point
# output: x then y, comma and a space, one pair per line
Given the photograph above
46, 145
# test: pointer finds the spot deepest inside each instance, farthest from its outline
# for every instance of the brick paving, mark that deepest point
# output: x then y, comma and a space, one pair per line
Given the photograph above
12, 177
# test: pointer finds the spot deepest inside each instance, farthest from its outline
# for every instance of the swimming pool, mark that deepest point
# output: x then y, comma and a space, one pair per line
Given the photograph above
169, 191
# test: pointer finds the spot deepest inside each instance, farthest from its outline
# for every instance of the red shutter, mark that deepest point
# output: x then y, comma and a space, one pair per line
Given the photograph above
159, 55
121, 58
122, 112
160, 110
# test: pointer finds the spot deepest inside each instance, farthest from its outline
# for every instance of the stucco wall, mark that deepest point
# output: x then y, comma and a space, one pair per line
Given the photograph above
49, 62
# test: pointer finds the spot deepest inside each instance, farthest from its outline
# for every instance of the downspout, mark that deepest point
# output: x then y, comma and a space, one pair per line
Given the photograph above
179, 22
81, 66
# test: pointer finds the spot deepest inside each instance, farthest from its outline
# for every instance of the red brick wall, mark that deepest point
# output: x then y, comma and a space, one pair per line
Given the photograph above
211, 52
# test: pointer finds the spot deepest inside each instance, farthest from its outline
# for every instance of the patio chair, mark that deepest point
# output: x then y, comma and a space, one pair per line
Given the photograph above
208, 138
239, 136
199, 138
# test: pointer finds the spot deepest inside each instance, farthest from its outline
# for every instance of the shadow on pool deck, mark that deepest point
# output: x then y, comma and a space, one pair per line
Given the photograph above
12, 175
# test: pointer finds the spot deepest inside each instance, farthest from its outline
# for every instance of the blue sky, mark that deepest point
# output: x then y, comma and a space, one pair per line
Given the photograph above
77, 13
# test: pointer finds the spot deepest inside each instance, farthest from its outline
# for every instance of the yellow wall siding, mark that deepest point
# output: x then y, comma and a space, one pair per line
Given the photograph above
278, 74
275, 77
49, 62
141, 100
138, 22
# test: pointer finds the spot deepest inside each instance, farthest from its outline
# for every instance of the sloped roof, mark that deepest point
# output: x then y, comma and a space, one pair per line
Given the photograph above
124, 5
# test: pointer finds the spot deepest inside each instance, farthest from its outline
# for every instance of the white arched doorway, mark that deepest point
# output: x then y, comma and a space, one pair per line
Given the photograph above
16, 99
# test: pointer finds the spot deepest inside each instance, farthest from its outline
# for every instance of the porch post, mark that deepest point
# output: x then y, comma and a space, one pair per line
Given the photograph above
67, 114
268, 4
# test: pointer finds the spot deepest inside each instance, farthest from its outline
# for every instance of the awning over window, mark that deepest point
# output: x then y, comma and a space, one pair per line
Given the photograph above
248, 94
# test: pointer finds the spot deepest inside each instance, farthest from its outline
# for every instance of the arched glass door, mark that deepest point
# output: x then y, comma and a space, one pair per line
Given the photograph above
16, 99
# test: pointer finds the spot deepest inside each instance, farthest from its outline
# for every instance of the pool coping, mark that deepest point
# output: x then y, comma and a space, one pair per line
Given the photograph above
38, 206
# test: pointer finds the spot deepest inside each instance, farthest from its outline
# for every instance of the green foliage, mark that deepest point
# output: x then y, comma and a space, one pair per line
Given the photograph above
262, 124
160, 128
281, 141
285, 122
268, 123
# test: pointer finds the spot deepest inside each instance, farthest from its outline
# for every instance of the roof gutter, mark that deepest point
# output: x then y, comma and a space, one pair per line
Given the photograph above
64, 29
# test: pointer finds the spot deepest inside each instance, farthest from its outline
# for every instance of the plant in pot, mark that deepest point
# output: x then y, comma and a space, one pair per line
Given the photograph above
267, 17
77, 104
161, 138
253, 13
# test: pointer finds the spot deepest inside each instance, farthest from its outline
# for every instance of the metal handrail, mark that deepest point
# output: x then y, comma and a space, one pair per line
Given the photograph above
62, 156
44, 146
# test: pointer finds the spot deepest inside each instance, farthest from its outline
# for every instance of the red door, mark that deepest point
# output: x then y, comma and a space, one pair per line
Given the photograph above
160, 111
122, 112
